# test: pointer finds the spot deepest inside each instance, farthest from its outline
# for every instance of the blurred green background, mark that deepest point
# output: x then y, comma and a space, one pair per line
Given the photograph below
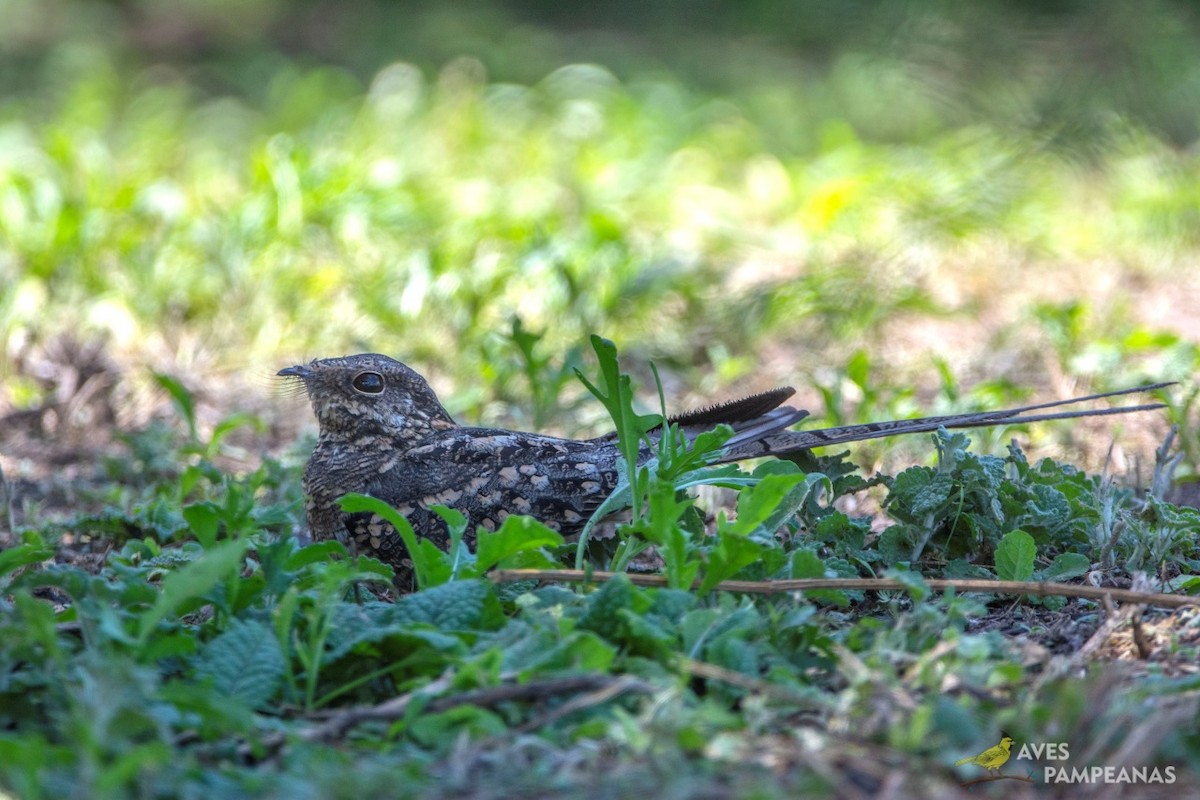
882, 203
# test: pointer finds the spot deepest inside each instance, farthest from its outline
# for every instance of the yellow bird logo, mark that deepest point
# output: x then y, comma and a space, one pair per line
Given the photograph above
993, 758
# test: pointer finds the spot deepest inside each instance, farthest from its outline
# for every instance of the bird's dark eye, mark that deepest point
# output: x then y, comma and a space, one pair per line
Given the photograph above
368, 382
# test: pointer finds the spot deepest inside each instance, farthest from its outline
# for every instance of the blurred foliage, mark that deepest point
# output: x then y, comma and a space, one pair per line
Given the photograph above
692, 180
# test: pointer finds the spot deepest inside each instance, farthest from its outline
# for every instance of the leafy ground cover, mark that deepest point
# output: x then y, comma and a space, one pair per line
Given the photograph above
203, 651
189, 201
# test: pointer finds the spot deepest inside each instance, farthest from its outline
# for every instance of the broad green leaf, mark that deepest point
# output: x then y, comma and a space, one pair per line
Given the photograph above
647, 635
432, 619
733, 552
933, 495
460, 605
777, 498
601, 615
517, 534
464, 722
847, 534
1067, 565
315, 553
735, 653
759, 503
1015, 555
807, 564
244, 662
191, 582
587, 652
772, 500
703, 625
209, 712
170, 645
912, 581
32, 550
204, 519
415, 643
1186, 584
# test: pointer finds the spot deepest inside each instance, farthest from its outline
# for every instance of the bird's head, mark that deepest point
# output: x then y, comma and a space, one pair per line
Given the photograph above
369, 394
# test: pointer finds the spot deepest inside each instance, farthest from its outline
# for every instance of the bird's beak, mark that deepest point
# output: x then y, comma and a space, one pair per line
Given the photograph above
299, 371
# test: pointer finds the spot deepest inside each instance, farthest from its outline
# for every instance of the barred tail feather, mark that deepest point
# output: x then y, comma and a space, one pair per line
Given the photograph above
797, 441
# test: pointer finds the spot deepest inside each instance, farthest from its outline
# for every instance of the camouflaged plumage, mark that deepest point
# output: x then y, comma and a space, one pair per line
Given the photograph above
383, 432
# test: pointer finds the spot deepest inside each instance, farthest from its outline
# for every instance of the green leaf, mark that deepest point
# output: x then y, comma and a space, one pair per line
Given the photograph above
734, 652
762, 508
417, 643
1015, 555
204, 519
662, 527
1186, 584
208, 712
432, 619
191, 582
807, 564
226, 426
315, 553
459, 605
429, 562
32, 550
244, 662
461, 723
913, 581
933, 495
183, 400
764, 502
517, 534
458, 555
1067, 565
702, 626
848, 535
648, 635
858, 369
616, 394
733, 552
601, 616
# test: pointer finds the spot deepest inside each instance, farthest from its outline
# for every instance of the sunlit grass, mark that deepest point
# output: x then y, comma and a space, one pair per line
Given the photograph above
420, 212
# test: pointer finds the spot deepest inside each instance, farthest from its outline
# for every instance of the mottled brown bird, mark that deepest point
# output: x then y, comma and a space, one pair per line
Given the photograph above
383, 432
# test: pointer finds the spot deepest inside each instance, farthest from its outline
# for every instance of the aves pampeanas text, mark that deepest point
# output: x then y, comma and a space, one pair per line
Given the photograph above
991, 759
384, 433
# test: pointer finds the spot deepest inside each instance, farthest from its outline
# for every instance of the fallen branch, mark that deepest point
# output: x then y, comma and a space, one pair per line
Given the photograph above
713, 672
615, 686
391, 710
1040, 589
